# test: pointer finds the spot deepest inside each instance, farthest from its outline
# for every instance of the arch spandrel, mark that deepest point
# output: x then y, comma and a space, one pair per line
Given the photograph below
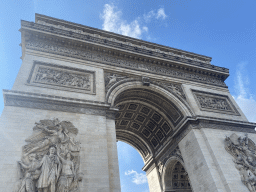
131, 83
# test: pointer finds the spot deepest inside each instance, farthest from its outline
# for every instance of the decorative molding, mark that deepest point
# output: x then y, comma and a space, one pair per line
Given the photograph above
214, 102
47, 103
200, 122
243, 150
164, 52
60, 77
129, 62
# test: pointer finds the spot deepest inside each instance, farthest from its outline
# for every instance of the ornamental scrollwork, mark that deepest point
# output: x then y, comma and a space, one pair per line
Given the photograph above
243, 150
51, 159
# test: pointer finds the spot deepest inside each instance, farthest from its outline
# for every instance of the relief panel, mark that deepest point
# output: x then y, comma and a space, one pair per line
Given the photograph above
64, 78
50, 160
214, 103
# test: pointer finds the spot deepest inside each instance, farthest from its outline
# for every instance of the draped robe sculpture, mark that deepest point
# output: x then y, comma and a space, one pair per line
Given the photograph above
43, 167
243, 150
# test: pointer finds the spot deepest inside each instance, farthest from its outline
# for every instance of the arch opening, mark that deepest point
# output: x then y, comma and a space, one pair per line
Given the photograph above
131, 176
146, 120
175, 178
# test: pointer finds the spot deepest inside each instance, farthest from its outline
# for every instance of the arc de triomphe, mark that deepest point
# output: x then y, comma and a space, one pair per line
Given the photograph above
81, 89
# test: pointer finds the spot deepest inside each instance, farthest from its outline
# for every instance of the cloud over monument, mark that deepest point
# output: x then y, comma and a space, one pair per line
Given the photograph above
113, 21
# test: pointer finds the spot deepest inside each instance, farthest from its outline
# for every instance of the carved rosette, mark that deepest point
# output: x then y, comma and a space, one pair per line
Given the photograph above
51, 158
243, 150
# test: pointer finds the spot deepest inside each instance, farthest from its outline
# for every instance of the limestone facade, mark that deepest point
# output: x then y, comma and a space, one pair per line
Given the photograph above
171, 105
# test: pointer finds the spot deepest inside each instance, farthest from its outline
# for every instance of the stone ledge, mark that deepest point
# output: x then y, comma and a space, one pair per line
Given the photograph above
56, 103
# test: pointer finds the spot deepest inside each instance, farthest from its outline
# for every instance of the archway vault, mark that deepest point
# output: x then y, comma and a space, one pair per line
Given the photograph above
147, 118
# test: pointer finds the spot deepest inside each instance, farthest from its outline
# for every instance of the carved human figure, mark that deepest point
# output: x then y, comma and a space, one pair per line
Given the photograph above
31, 173
55, 136
67, 174
160, 167
245, 148
50, 171
245, 160
248, 178
112, 79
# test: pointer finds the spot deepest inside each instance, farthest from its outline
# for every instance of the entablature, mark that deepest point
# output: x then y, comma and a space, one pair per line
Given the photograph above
170, 61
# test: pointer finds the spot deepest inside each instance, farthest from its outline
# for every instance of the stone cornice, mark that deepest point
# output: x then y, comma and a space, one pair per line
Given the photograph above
201, 122
56, 103
104, 56
156, 56
82, 29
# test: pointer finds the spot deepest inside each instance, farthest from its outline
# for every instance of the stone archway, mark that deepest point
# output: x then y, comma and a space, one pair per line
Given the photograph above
174, 176
148, 117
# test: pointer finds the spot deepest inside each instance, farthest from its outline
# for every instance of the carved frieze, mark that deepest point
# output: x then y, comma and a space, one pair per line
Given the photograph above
214, 103
59, 77
84, 34
243, 150
50, 159
119, 61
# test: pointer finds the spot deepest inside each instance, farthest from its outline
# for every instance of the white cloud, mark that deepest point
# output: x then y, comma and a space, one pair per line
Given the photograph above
244, 99
113, 22
155, 14
149, 16
161, 14
138, 178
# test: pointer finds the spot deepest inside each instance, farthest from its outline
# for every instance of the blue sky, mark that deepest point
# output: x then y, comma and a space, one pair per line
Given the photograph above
223, 30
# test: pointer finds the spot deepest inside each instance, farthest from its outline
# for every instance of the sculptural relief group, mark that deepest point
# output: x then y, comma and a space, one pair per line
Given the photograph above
50, 161
244, 151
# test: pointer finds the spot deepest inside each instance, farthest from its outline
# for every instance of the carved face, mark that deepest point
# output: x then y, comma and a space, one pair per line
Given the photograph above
52, 150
